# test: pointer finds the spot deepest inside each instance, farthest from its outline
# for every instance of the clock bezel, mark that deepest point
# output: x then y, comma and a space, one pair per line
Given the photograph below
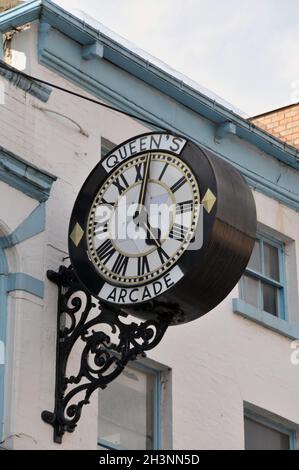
203, 172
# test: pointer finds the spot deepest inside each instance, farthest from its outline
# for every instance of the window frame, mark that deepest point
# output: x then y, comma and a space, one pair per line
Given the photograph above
157, 409
260, 276
272, 424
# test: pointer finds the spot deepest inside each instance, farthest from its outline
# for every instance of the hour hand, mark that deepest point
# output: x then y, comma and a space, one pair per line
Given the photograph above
153, 234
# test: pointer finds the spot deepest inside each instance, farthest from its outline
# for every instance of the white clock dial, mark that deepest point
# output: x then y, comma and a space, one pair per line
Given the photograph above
143, 218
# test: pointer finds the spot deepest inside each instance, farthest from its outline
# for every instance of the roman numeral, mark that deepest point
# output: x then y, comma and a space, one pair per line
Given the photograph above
178, 232
178, 184
185, 206
120, 265
143, 265
138, 169
121, 184
105, 251
163, 171
162, 254
100, 228
103, 201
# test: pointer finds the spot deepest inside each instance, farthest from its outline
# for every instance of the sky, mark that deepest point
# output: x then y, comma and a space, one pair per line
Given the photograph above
246, 51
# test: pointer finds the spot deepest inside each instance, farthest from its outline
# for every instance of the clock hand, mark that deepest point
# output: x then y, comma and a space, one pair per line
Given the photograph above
142, 192
149, 230
152, 238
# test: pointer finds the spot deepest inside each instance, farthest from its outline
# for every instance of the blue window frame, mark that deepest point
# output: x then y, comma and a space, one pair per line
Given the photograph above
262, 433
263, 284
130, 410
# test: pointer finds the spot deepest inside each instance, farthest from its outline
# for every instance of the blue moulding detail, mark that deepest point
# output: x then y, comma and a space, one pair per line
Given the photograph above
32, 225
223, 129
25, 282
136, 84
25, 177
38, 90
93, 51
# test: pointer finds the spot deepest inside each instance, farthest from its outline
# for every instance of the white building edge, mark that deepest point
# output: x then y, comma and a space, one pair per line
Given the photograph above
241, 359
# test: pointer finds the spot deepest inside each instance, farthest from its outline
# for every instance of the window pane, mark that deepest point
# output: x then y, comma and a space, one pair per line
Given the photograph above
270, 298
261, 437
251, 290
126, 410
254, 262
271, 261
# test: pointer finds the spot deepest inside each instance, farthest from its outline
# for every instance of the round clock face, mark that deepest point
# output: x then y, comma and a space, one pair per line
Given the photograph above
142, 218
159, 218
134, 228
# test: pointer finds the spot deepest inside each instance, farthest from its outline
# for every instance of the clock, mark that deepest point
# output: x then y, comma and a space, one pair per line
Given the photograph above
160, 221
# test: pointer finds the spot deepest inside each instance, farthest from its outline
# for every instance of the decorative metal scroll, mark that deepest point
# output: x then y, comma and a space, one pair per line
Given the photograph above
102, 360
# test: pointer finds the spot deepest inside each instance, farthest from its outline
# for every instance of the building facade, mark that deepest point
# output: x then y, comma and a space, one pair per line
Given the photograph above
282, 123
228, 380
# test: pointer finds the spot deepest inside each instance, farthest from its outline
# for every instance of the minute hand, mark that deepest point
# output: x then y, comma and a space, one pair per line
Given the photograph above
142, 193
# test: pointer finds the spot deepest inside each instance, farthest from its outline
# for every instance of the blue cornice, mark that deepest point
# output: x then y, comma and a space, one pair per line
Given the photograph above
116, 53
139, 86
263, 172
22, 14
38, 90
24, 176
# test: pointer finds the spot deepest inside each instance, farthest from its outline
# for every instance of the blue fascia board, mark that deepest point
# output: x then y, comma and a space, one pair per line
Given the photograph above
142, 69
108, 83
166, 83
22, 14
25, 177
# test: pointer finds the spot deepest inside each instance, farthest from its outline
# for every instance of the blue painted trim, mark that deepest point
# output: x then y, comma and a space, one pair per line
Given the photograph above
61, 54
156, 373
260, 275
169, 85
38, 90
157, 413
111, 84
1, 46
157, 428
31, 226
147, 72
108, 445
10, 282
24, 13
93, 51
25, 177
269, 423
24, 282
223, 129
3, 326
283, 327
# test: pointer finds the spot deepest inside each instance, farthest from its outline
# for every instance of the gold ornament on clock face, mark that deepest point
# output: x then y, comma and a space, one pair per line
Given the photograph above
143, 218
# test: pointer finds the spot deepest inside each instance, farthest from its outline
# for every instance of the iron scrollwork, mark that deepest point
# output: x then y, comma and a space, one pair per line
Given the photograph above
80, 317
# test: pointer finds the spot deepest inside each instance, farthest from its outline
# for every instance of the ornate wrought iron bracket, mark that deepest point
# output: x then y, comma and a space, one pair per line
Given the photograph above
80, 317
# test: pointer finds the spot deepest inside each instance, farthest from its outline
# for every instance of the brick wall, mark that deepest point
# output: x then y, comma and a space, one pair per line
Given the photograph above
282, 123
6, 4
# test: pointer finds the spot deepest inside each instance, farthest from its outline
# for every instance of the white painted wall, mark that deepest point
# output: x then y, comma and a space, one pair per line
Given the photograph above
217, 362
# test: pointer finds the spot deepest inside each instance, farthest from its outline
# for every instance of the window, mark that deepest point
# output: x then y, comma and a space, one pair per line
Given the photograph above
263, 434
130, 410
263, 284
